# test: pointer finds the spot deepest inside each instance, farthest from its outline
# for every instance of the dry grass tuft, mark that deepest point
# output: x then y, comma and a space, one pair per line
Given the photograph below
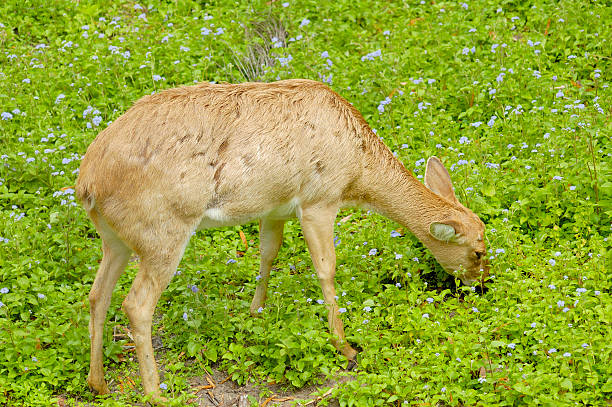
261, 36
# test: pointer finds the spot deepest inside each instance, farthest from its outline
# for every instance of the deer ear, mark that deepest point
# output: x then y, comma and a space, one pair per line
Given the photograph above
442, 231
438, 180
447, 231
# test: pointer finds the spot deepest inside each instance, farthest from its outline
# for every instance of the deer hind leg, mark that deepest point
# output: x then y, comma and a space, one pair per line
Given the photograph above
270, 239
157, 266
318, 228
115, 257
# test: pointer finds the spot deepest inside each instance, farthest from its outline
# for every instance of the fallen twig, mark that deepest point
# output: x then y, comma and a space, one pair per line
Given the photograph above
269, 399
212, 398
203, 387
210, 381
319, 398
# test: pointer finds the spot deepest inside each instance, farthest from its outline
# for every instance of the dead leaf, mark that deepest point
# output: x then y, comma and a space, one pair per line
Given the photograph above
244, 240
415, 20
499, 327
483, 372
345, 218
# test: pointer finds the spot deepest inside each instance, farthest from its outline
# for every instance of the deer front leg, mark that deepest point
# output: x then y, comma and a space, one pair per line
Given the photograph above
270, 239
318, 228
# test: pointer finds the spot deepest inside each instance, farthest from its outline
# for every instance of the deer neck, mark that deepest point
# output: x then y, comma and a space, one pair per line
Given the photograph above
395, 193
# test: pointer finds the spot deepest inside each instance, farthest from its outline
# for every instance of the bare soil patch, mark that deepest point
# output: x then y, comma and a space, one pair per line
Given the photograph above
218, 390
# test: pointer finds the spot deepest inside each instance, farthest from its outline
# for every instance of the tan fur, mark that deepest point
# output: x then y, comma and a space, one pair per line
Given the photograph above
216, 155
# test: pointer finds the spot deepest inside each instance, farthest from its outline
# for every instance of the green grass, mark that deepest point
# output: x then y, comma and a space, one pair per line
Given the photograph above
513, 96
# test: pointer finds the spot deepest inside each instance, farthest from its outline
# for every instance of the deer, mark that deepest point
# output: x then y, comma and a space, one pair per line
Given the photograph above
216, 155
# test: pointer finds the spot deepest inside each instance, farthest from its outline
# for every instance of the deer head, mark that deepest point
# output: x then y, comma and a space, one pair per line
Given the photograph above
456, 239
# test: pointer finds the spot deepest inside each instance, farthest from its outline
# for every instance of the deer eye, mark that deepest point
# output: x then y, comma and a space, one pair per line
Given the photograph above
479, 255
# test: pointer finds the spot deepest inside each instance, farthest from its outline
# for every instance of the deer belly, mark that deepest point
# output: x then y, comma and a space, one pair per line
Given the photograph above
223, 216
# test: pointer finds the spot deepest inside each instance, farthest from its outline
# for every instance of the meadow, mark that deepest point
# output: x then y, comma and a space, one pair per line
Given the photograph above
513, 96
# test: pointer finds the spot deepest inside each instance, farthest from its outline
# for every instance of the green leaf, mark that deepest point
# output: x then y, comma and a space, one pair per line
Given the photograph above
607, 387
368, 303
193, 347
488, 190
567, 384
211, 354
523, 388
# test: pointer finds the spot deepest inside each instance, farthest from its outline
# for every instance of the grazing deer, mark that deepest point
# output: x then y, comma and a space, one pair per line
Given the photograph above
214, 155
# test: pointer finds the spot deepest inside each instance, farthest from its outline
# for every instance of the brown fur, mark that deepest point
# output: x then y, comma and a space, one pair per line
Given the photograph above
214, 155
